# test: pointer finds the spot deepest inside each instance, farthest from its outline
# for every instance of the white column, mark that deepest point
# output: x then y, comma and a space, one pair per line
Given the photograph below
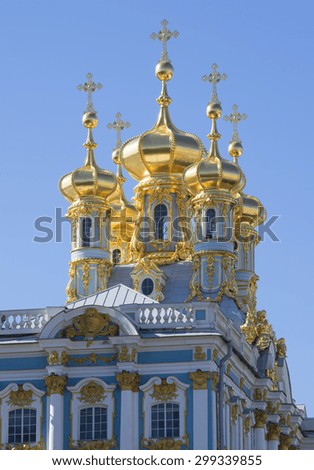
260, 441
200, 409
273, 433
227, 426
260, 438
247, 430
214, 415
55, 411
128, 382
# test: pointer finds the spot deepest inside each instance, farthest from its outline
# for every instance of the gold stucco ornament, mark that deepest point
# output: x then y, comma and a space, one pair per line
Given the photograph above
165, 443
164, 391
20, 398
91, 324
92, 393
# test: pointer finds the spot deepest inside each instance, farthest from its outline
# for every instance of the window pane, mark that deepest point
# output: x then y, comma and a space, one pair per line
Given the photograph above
22, 426
93, 423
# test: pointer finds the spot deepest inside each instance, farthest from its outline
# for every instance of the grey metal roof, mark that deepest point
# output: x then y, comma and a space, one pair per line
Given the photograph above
177, 286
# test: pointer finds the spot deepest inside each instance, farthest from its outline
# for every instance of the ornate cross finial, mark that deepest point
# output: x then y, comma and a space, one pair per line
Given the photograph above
235, 117
89, 87
214, 77
164, 35
118, 125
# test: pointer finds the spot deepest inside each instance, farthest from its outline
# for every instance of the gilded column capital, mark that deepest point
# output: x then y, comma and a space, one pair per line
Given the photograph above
55, 384
199, 379
215, 380
260, 418
284, 441
273, 431
128, 380
247, 424
234, 412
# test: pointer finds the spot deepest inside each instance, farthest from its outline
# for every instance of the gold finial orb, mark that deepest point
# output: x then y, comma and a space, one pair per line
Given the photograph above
235, 149
90, 119
164, 71
214, 110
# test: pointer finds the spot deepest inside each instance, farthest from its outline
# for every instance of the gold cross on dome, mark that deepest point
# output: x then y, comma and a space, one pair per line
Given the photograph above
235, 117
213, 78
118, 125
164, 35
89, 87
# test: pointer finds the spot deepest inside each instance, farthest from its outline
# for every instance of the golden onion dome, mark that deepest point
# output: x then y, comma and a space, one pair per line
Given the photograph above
214, 172
253, 212
163, 150
89, 180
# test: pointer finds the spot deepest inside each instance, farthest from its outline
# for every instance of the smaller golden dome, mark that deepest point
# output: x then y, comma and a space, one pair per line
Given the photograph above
89, 180
214, 172
253, 211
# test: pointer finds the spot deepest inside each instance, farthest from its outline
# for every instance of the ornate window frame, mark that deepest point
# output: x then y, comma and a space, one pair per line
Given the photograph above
87, 393
157, 391
168, 238
22, 396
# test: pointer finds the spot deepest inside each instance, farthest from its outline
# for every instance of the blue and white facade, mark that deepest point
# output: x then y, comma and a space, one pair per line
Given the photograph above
160, 344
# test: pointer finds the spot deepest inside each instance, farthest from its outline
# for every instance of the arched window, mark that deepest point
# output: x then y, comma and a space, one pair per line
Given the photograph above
210, 223
86, 231
93, 423
165, 420
116, 256
22, 426
147, 286
160, 214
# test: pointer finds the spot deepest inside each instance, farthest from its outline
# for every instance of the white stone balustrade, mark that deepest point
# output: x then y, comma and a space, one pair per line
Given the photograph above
25, 321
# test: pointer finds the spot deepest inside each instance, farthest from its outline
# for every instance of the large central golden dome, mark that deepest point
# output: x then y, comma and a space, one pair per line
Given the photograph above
163, 150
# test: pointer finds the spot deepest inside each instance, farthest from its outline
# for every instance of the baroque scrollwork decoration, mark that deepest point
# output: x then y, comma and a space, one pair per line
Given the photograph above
91, 325
93, 445
37, 446
199, 354
90, 359
20, 398
92, 393
165, 443
164, 391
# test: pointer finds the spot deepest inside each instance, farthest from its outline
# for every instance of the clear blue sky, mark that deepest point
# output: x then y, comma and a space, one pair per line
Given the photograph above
266, 48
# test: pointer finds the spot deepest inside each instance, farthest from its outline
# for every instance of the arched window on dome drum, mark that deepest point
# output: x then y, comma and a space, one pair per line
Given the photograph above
210, 223
93, 423
86, 231
160, 215
22, 426
165, 420
116, 256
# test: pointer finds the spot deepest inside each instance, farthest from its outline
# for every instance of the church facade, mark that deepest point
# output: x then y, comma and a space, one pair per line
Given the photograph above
160, 344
